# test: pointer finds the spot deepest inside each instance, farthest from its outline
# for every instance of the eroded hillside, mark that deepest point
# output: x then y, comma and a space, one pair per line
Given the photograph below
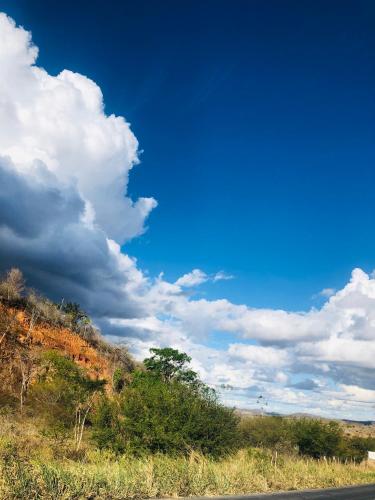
31, 325
42, 336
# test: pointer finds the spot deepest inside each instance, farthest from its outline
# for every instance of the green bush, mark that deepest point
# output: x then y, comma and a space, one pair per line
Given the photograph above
318, 439
153, 415
62, 392
267, 432
118, 379
355, 448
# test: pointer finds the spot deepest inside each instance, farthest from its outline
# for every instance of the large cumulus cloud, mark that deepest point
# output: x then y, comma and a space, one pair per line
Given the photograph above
59, 122
64, 214
64, 167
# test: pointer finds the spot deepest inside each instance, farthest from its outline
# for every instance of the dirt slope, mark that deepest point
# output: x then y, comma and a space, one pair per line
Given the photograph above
17, 332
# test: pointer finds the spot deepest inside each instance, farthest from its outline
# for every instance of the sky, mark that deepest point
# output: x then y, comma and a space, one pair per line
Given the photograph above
200, 174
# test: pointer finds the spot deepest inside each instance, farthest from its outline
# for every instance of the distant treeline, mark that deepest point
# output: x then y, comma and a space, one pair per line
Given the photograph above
306, 436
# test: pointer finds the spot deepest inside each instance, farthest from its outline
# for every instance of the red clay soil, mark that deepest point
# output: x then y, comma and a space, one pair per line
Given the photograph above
47, 337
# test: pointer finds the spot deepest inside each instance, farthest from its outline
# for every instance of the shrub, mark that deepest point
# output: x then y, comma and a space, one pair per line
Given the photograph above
267, 432
153, 415
311, 437
64, 395
355, 448
41, 309
118, 379
317, 439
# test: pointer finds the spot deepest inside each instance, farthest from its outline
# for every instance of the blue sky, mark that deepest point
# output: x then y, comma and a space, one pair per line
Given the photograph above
255, 122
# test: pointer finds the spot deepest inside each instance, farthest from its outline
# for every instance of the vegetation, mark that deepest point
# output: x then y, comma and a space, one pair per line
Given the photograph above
170, 365
152, 415
50, 472
63, 395
12, 286
143, 430
308, 437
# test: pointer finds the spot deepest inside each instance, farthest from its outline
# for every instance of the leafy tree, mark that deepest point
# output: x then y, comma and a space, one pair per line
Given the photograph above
170, 364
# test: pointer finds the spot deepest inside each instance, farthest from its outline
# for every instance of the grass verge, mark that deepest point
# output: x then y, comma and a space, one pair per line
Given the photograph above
100, 475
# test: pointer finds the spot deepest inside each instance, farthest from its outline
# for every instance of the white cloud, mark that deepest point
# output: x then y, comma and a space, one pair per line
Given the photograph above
327, 292
197, 277
59, 122
222, 276
194, 278
358, 394
268, 357
64, 213
337, 350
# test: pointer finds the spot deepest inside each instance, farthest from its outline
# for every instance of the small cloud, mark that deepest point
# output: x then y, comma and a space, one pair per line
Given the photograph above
197, 277
194, 278
326, 293
221, 275
281, 377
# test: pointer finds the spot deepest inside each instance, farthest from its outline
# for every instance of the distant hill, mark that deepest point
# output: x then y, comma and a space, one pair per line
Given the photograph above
256, 412
360, 422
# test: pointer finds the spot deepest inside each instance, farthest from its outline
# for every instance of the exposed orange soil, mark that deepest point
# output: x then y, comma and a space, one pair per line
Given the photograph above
67, 342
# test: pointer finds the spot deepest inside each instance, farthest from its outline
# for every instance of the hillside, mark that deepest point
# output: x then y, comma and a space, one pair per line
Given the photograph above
31, 325
43, 336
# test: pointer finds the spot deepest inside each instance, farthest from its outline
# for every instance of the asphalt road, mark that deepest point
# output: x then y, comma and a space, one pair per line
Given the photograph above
366, 492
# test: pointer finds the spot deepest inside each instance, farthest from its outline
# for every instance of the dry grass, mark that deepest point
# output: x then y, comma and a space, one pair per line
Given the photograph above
100, 475
38, 466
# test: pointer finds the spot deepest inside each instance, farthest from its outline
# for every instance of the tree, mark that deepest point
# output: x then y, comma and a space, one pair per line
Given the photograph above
16, 362
13, 285
27, 363
170, 364
65, 395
